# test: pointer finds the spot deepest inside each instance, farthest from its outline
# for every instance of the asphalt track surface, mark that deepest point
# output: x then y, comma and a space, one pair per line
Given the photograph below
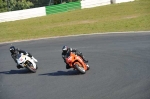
120, 69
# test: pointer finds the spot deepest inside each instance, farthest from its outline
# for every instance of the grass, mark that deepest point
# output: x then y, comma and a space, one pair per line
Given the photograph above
131, 16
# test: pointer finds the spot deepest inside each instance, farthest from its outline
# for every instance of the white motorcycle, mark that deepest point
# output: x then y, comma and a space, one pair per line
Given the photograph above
26, 62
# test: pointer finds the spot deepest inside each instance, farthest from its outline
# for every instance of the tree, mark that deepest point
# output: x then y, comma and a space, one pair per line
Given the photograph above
12, 5
20, 5
3, 5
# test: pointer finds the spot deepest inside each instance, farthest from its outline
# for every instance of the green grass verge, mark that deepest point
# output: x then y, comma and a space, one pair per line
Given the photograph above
131, 16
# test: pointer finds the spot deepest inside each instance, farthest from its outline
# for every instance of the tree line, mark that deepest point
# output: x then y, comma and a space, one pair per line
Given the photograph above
13, 5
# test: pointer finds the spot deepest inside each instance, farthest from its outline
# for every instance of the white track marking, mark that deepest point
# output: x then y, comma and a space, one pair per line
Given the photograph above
102, 33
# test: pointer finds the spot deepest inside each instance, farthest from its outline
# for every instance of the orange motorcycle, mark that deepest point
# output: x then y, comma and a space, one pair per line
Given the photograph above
77, 62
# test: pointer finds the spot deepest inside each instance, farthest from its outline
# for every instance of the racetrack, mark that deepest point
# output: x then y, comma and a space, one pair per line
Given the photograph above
120, 69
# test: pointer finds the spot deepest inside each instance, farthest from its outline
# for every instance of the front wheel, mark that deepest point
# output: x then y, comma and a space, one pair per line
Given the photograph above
88, 67
30, 67
80, 69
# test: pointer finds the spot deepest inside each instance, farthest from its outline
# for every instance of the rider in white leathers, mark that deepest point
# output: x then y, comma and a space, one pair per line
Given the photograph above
15, 51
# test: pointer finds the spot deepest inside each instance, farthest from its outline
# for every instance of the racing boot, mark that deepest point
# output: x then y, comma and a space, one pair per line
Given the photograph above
18, 66
86, 61
67, 66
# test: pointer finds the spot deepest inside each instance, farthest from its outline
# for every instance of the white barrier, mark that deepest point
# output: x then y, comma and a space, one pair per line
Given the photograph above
121, 1
94, 3
22, 14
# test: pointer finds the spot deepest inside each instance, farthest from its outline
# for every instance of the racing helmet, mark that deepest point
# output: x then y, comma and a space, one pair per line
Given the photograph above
64, 49
12, 49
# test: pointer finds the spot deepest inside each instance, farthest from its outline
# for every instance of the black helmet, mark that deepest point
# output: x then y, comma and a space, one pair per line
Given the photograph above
12, 49
64, 49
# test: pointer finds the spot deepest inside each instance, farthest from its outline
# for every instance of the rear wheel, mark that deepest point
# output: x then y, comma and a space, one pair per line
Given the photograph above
80, 69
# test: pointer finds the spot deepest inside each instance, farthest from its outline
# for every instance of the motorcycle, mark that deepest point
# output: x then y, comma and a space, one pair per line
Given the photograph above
77, 62
26, 62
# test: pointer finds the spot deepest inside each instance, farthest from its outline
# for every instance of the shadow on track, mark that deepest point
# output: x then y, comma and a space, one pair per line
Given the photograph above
63, 73
23, 71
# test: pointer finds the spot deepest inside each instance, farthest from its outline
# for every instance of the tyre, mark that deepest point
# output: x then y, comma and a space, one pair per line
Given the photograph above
36, 67
80, 69
88, 67
30, 67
